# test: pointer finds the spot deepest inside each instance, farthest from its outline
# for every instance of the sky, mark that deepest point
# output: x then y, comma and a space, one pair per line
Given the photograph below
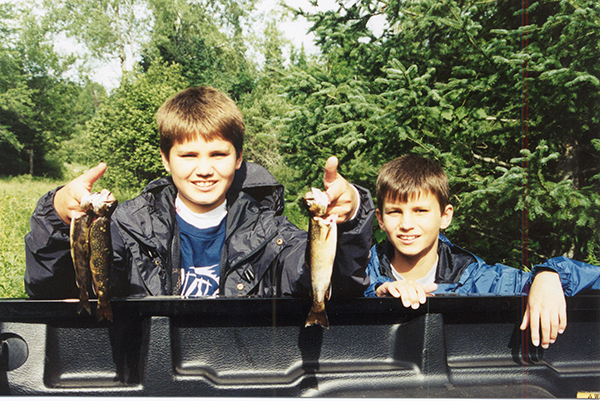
108, 73
296, 30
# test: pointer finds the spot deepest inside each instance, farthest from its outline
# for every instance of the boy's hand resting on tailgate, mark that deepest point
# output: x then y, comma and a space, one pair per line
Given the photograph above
412, 293
546, 312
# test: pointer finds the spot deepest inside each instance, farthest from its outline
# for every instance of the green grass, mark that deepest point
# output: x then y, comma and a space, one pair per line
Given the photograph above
18, 197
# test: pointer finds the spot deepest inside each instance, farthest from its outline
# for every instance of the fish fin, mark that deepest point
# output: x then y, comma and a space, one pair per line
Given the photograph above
319, 318
84, 304
104, 312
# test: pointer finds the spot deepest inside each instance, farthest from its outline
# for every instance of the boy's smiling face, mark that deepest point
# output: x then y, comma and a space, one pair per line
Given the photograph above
413, 228
202, 171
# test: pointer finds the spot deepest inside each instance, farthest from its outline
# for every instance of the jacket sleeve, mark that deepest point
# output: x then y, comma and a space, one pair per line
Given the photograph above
350, 278
49, 272
375, 276
481, 278
575, 276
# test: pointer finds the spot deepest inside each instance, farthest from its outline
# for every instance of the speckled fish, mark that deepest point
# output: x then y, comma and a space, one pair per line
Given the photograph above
91, 247
80, 252
322, 242
101, 252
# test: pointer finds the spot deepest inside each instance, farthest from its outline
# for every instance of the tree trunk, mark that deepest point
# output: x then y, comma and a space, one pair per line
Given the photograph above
31, 152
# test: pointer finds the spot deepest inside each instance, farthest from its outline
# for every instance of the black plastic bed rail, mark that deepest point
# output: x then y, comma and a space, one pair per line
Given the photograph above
454, 346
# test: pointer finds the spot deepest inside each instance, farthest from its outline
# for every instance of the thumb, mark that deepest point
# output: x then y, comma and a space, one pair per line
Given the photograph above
430, 287
91, 176
330, 171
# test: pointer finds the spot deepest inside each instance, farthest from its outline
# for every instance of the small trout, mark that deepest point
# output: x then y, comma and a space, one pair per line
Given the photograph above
322, 243
90, 235
80, 252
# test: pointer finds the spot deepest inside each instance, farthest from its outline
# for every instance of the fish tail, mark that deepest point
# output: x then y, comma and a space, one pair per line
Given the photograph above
104, 312
84, 304
319, 318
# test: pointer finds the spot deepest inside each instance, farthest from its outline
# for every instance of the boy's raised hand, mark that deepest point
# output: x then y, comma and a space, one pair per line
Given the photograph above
546, 311
412, 293
68, 198
343, 197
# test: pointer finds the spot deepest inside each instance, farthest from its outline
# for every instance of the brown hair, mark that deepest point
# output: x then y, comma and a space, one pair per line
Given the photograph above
196, 112
403, 178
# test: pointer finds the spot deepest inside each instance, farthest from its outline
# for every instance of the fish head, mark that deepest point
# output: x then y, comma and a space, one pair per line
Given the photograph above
100, 203
316, 202
87, 203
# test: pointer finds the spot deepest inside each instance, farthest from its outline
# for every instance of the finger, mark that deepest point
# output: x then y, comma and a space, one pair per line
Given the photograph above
413, 297
82, 185
331, 166
405, 296
563, 319
525, 321
545, 329
92, 175
381, 290
430, 287
384, 289
393, 291
421, 295
554, 322
534, 325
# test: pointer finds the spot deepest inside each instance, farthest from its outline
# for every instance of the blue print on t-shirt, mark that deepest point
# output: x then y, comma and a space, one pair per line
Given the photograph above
200, 258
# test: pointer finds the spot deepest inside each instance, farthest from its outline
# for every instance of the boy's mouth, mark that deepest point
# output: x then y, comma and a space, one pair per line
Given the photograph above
407, 238
204, 184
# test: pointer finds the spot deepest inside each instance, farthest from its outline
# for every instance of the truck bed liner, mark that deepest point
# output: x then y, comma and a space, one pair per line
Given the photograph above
453, 346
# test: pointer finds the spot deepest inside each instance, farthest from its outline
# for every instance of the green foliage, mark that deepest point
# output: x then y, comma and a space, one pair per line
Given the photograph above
40, 108
124, 134
194, 35
511, 111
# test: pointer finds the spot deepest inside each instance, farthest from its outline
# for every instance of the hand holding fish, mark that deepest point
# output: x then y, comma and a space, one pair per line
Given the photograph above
343, 197
67, 200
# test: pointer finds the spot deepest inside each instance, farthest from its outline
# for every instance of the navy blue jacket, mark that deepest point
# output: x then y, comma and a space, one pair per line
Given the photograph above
263, 254
460, 271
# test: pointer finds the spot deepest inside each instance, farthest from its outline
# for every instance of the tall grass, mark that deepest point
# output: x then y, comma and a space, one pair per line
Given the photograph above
18, 197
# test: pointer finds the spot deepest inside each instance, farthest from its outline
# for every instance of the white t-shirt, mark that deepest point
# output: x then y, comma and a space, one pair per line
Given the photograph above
428, 279
202, 237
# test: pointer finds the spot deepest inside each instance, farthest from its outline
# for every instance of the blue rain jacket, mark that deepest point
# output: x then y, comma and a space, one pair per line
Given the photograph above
461, 272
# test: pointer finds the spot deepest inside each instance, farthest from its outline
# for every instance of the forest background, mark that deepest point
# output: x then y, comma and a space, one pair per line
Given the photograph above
504, 94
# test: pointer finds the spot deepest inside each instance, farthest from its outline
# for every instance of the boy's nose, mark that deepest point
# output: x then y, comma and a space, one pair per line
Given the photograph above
407, 222
203, 167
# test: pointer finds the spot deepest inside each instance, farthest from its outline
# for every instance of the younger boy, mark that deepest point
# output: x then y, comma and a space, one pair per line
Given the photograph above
416, 260
214, 227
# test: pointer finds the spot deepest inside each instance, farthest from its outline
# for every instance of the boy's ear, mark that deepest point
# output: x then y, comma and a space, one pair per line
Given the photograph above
238, 162
379, 218
447, 217
165, 161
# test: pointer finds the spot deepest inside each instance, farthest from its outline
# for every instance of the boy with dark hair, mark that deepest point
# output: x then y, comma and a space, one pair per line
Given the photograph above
213, 227
417, 260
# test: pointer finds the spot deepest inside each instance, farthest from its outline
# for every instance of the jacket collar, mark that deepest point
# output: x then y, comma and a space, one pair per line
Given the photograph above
452, 261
